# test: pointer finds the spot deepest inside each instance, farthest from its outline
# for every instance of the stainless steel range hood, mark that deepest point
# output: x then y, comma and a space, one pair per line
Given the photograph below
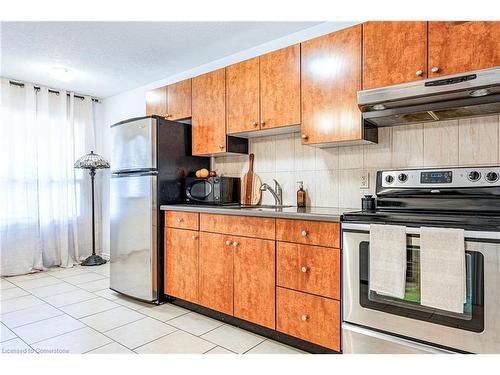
455, 96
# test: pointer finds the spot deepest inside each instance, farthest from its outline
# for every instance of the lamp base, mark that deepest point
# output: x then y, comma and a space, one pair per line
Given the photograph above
93, 260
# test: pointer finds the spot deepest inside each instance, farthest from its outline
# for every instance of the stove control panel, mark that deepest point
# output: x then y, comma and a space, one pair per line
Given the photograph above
436, 178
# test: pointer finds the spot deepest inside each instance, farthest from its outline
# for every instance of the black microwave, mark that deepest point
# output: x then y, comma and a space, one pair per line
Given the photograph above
213, 190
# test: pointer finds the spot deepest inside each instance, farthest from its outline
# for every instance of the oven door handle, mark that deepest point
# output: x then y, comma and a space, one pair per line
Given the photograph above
482, 235
393, 339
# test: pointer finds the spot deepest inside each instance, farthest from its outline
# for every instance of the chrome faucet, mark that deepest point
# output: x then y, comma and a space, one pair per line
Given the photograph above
277, 192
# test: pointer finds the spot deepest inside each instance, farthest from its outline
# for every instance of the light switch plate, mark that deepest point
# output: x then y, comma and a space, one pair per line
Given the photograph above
365, 180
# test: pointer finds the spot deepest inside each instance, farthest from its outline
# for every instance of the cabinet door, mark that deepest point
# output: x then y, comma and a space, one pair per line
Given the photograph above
242, 82
331, 78
181, 264
280, 87
216, 272
393, 52
179, 100
456, 47
209, 113
254, 280
156, 102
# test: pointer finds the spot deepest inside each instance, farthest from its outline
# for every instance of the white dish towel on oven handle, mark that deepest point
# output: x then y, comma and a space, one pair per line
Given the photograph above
442, 269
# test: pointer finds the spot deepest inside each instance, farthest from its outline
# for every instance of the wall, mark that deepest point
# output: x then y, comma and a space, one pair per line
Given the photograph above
332, 176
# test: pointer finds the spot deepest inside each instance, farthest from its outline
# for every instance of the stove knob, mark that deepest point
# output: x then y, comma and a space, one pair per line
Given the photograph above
389, 179
474, 176
492, 177
402, 177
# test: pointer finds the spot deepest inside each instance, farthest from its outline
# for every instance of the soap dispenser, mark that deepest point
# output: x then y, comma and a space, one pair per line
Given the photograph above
301, 195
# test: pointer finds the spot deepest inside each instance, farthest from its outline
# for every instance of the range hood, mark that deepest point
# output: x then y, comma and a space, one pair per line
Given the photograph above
455, 96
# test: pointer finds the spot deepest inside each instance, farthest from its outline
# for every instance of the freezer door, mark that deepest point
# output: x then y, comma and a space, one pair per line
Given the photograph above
134, 145
133, 267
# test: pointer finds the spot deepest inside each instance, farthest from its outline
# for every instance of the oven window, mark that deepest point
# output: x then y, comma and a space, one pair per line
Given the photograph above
471, 320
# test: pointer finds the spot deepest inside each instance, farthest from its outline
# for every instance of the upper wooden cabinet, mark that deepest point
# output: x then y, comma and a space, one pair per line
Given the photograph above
242, 84
209, 113
179, 100
156, 102
394, 52
331, 78
264, 92
456, 47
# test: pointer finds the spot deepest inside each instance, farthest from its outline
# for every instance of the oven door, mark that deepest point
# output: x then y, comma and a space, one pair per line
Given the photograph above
477, 330
199, 191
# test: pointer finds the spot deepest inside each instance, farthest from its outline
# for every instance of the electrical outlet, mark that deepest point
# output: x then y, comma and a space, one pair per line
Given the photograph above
365, 180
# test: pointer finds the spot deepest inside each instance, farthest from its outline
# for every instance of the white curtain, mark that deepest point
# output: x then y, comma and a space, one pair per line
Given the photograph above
45, 206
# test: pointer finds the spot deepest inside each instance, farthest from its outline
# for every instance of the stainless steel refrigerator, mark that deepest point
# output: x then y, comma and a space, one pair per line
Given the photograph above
150, 160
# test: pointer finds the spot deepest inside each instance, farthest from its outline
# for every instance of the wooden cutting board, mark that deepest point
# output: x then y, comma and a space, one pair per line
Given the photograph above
250, 185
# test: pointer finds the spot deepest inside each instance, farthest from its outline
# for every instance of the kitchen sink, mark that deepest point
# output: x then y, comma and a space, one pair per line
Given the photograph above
264, 207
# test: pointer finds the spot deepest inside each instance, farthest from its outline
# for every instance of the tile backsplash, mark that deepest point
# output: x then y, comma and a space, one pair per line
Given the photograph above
332, 176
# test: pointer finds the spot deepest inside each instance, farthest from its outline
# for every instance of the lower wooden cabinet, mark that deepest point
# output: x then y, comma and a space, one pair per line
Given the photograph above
308, 317
216, 272
181, 263
254, 280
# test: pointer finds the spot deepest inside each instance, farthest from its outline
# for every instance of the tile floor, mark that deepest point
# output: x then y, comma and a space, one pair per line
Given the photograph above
74, 311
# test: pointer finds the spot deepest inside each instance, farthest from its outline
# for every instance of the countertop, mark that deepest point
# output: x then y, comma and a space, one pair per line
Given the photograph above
306, 213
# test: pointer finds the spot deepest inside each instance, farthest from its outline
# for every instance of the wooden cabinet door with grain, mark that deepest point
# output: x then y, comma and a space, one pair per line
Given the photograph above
156, 102
331, 78
254, 280
242, 84
394, 52
462, 46
280, 87
179, 100
181, 264
216, 272
209, 113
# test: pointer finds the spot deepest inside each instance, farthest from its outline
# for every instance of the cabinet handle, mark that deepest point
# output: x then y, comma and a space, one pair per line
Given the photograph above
228, 243
235, 243
263, 123
419, 72
255, 123
194, 237
304, 317
221, 147
168, 115
179, 219
304, 269
304, 136
304, 233
435, 69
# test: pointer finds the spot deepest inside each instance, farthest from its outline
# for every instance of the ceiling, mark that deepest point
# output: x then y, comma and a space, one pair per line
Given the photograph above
111, 57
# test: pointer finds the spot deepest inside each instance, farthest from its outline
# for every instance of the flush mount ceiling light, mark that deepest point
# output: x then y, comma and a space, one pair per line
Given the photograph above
480, 92
61, 74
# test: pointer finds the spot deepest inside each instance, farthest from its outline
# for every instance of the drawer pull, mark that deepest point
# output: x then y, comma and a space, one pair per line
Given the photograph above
194, 237
228, 243
179, 219
304, 318
304, 233
235, 243
304, 269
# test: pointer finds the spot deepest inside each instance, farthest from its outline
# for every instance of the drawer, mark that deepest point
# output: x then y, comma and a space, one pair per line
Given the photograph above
311, 269
249, 226
321, 233
310, 318
182, 220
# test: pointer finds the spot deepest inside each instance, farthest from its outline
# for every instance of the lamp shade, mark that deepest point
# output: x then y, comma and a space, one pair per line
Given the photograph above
92, 161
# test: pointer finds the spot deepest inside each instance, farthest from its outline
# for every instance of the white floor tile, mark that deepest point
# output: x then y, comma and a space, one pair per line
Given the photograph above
19, 303
179, 342
140, 332
28, 276
94, 286
12, 293
273, 347
15, 346
83, 278
47, 328
29, 315
4, 284
37, 282
219, 350
51, 290
79, 341
232, 338
113, 318
164, 312
113, 348
64, 299
5, 333
66, 272
108, 294
195, 324
85, 308
131, 303
101, 270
